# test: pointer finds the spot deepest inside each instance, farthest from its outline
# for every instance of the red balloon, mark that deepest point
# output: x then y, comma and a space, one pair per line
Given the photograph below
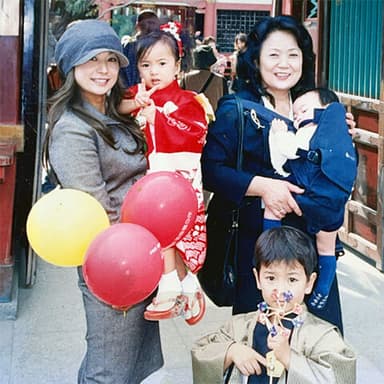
123, 265
164, 203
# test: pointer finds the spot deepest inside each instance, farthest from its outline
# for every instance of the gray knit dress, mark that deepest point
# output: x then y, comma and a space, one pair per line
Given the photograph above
120, 349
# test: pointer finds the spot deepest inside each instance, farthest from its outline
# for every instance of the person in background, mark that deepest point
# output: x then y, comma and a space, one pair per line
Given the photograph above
188, 46
198, 36
91, 147
201, 79
221, 60
175, 125
237, 58
240, 44
281, 338
279, 62
211, 41
147, 21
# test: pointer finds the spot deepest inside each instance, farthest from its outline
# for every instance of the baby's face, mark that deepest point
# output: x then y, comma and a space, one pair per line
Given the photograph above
304, 106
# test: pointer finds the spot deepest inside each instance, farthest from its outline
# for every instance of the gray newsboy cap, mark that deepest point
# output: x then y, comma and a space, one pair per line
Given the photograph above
84, 40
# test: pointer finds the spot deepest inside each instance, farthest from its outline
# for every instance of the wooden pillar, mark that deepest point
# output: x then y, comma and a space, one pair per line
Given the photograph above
380, 184
9, 117
210, 19
286, 7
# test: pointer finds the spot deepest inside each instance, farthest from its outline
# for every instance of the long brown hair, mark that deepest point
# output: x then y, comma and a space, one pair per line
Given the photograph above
68, 97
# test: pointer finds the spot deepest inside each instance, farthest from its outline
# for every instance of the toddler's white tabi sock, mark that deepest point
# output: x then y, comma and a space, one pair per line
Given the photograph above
169, 282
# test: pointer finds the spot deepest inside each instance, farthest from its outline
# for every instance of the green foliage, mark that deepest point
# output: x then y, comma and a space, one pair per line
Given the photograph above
124, 25
77, 9
64, 12
81, 8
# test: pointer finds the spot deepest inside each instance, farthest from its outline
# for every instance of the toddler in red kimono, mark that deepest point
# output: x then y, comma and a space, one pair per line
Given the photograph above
175, 126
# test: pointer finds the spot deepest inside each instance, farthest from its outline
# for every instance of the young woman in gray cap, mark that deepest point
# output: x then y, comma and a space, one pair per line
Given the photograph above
92, 148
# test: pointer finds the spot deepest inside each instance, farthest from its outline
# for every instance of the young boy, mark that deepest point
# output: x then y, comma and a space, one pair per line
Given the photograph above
321, 159
313, 352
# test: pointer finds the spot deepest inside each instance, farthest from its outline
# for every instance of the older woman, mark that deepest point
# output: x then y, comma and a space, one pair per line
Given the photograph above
278, 64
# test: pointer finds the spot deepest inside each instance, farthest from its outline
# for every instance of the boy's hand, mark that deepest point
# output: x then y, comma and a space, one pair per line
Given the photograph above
246, 359
280, 345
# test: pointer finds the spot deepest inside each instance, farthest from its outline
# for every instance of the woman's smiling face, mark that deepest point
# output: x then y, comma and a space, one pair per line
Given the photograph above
97, 76
281, 62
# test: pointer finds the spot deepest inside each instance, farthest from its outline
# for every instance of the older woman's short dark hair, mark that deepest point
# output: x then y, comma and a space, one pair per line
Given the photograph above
256, 38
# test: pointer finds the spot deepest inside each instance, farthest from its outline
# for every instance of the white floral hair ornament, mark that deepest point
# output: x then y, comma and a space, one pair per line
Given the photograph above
174, 28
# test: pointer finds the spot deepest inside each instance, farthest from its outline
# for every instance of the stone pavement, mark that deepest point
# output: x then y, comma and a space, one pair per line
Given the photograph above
44, 345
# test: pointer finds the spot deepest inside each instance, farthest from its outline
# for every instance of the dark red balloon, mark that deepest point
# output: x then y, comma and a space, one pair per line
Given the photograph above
164, 203
123, 265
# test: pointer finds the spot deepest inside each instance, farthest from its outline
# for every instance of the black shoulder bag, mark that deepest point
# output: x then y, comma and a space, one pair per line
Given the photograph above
219, 272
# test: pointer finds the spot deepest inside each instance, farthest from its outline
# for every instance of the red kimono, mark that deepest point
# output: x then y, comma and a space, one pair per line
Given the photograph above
175, 143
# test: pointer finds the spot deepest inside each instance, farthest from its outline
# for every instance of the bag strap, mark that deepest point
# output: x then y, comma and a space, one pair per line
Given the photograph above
239, 164
206, 84
240, 126
314, 156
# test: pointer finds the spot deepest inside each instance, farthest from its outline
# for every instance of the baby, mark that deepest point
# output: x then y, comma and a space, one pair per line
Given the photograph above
320, 158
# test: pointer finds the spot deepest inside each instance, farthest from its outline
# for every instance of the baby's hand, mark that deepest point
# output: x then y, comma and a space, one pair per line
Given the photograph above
280, 345
143, 97
246, 359
278, 125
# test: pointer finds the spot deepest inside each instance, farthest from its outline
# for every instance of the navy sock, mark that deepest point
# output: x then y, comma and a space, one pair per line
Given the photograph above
327, 271
271, 223
326, 274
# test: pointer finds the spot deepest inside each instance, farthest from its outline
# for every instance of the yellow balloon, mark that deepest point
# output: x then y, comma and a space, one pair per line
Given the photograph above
62, 224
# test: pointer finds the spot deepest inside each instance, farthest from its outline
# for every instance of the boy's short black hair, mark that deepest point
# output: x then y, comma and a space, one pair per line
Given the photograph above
285, 244
326, 95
